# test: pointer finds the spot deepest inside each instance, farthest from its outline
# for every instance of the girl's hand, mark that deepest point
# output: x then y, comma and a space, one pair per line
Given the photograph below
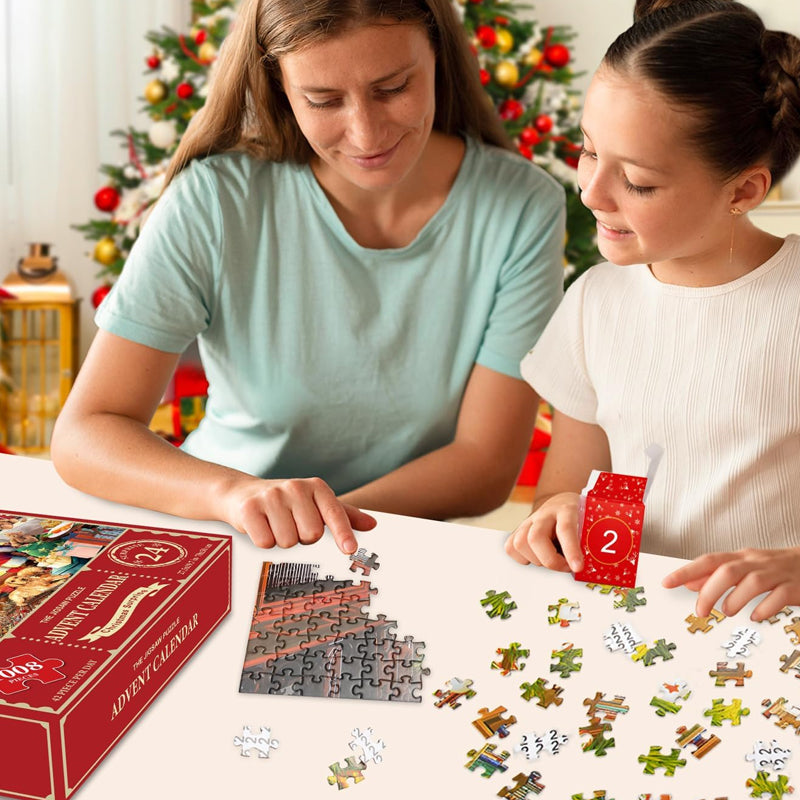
284, 513
747, 573
549, 537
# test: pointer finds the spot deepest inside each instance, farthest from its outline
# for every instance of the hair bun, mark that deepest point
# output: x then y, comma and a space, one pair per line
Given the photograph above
781, 77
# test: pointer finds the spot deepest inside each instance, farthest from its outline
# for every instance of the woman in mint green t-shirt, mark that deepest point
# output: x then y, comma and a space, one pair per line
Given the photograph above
363, 260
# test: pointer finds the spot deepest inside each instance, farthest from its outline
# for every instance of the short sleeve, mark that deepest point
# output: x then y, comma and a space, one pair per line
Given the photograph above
530, 281
164, 297
556, 366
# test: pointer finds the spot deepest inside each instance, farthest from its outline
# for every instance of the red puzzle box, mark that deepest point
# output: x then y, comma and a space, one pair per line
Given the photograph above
95, 619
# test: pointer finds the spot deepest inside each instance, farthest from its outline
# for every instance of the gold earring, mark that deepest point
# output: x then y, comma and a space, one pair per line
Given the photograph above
734, 212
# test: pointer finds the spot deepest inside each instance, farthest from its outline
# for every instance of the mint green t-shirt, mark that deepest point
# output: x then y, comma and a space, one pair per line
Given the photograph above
325, 358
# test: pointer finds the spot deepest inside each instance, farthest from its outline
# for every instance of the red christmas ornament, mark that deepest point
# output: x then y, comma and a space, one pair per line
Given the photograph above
543, 123
526, 151
487, 36
184, 90
511, 109
530, 136
485, 77
556, 55
201, 37
154, 62
99, 294
106, 199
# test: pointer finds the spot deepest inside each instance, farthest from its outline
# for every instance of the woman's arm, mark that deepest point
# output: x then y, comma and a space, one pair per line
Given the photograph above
575, 450
102, 445
476, 472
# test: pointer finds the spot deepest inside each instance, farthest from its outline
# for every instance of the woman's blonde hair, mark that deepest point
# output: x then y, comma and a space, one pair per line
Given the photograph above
246, 107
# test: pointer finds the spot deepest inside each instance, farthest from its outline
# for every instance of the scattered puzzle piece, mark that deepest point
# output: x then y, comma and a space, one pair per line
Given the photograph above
363, 562
791, 661
510, 658
492, 722
664, 707
740, 641
563, 613
499, 605
351, 770
533, 745
458, 690
647, 655
526, 784
704, 624
566, 663
489, 761
260, 742
793, 630
769, 756
719, 711
370, 747
655, 759
675, 690
694, 736
605, 588
724, 673
621, 636
629, 599
649, 796
598, 794
545, 696
597, 743
786, 611
787, 714
610, 708
761, 785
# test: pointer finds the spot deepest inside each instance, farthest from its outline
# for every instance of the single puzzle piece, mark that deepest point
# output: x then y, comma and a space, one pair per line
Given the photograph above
490, 723
629, 599
597, 794
786, 611
545, 696
451, 697
525, 785
740, 641
510, 658
488, 760
260, 742
605, 588
719, 711
610, 708
597, 743
648, 796
704, 624
647, 655
563, 613
621, 636
655, 759
793, 630
787, 714
664, 707
724, 673
533, 745
768, 756
352, 770
565, 660
761, 785
499, 604
370, 747
791, 661
360, 560
695, 736
674, 690
21, 669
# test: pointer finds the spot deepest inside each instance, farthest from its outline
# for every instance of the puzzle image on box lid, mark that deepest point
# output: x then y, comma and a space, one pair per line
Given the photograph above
313, 637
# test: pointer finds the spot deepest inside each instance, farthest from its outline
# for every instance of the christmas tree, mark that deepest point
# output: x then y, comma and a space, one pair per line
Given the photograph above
524, 67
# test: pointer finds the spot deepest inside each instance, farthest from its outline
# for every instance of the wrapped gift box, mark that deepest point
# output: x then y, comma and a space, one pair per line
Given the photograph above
78, 667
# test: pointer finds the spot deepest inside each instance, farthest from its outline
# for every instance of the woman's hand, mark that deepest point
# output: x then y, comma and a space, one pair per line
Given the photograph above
284, 513
549, 537
747, 573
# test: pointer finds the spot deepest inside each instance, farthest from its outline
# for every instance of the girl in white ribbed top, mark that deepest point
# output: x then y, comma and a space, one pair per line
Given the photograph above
690, 336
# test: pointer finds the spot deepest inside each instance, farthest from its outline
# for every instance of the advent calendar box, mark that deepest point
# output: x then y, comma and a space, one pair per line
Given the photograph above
95, 620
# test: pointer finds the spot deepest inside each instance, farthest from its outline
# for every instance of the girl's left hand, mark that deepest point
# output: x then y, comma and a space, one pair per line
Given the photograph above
748, 573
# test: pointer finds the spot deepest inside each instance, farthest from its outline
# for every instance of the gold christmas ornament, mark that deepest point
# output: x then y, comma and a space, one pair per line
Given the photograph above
506, 73
533, 58
207, 51
505, 41
155, 91
106, 251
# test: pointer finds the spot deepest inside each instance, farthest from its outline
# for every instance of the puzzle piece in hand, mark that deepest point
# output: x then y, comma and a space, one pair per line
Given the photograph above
791, 661
647, 655
352, 769
694, 736
366, 563
532, 745
510, 658
499, 604
260, 742
488, 760
458, 690
526, 784
490, 723
704, 624
787, 714
566, 663
724, 673
719, 711
793, 630
621, 636
769, 755
546, 696
370, 747
761, 785
740, 641
786, 611
629, 599
563, 613
655, 759
610, 708
598, 743
26, 668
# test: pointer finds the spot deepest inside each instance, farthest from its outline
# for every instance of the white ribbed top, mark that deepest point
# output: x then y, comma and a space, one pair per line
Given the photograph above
712, 374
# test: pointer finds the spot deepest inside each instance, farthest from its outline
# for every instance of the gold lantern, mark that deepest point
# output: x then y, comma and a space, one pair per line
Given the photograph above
39, 319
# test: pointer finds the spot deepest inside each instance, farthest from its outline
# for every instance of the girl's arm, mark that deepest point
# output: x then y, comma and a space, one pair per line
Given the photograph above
476, 472
102, 445
550, 537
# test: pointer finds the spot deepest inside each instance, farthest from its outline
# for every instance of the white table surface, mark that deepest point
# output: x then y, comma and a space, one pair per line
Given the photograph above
431, 579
